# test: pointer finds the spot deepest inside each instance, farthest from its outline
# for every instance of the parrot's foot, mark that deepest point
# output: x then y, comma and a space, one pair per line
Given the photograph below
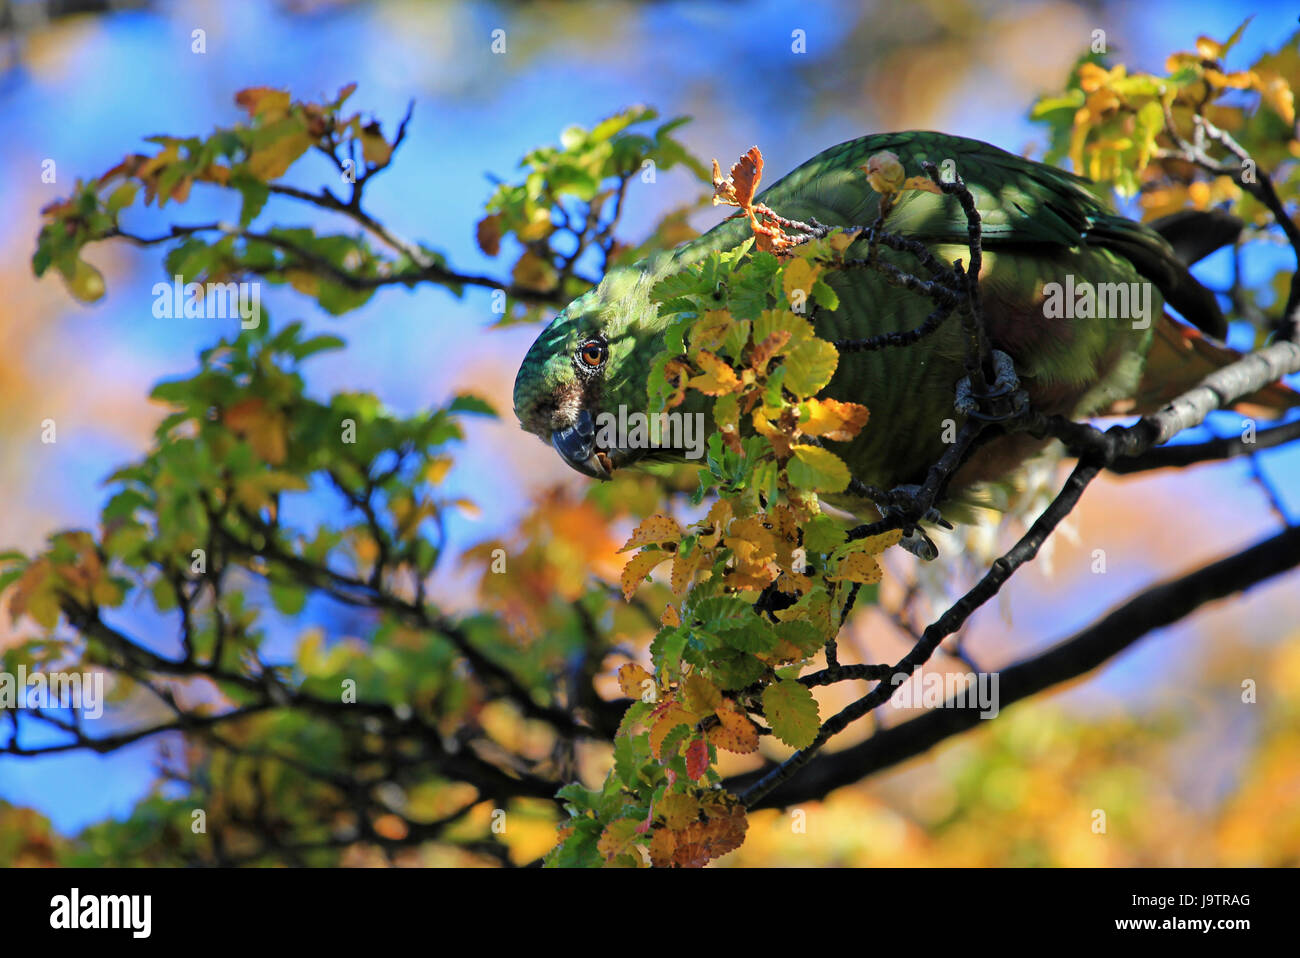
1004, 400
920, 545
914, 539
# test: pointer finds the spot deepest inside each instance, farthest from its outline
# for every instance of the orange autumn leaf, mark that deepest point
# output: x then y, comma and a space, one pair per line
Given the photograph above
735, 732
770, 347
488, 234
670, 616
832, 419
666, 718
391, 827
922, 183
741, 184
718, 378
700, 842
697, 758
676, 373
265, 428
663, 847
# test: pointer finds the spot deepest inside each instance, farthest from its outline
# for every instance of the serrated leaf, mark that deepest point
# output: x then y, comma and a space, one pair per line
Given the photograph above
699, 694
735, 731
640, 566
809, 367
792, 713
697, 758
632, 679
654, 530
857, 567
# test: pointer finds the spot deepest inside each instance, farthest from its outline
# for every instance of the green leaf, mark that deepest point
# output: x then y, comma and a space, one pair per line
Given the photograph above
791, 710
254, 193
288, 599
317, 344
809, 367
817, 470
804, 635
731, 669
822, 534
472, 404
666, 650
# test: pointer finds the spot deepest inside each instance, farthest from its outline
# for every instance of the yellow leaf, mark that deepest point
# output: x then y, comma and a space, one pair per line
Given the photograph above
678, 810
699, 694
1276, 93
771, 346
670, 617
654, 530
884, 172
799, 274
709, 331
437, 469
273, 160
684, 568
640, 566
263, 101
304, 281
809, 367
713, 525
632, 679
873, 545
858, 567
374, 148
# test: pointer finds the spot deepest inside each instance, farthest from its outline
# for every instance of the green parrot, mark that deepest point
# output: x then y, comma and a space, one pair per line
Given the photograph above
1046, 236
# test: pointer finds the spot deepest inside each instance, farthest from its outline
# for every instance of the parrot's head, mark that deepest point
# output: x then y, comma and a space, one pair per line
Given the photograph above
592, 360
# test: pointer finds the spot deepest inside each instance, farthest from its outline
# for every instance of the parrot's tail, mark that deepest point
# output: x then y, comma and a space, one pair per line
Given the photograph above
1180, 357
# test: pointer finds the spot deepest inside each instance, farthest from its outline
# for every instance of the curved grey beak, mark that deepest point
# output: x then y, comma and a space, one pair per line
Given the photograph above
576, 445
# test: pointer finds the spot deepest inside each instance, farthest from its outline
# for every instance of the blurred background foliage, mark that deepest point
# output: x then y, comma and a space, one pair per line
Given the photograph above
1159, 738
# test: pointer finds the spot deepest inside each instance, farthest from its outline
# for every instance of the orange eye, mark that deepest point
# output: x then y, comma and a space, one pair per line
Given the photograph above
592, 353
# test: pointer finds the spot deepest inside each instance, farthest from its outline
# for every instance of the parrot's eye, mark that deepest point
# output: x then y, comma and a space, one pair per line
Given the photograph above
593, 353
